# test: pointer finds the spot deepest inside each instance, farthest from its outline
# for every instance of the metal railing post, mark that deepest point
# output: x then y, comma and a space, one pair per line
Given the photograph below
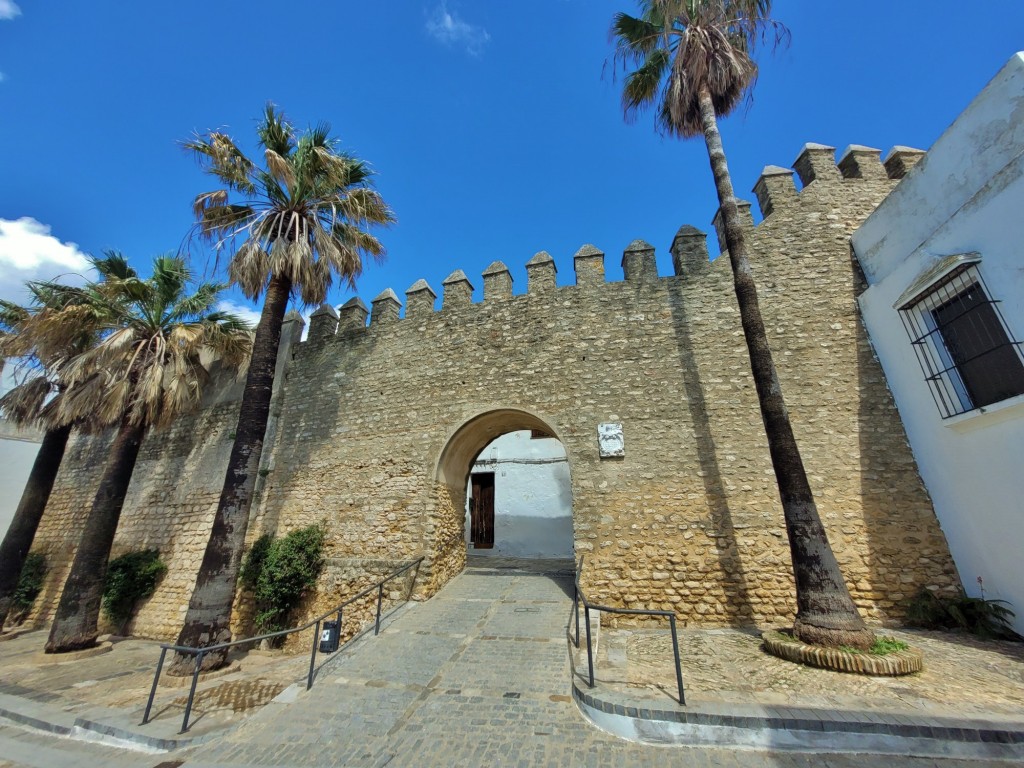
675, 652
380, 599
576, 610
590, 650
152, 691
192, 691
412, 581
312, 656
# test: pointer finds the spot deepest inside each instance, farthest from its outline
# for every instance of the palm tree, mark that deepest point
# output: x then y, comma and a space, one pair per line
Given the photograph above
300, 221
144, 371
25, 405
693, 63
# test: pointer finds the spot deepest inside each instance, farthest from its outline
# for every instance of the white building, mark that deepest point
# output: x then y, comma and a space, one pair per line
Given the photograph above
520, 489
943, 256
18, 449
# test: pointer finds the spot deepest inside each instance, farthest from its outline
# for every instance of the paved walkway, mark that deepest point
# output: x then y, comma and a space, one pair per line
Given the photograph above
477, 676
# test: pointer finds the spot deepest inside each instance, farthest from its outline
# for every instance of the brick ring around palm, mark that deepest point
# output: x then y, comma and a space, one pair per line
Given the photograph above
785, 646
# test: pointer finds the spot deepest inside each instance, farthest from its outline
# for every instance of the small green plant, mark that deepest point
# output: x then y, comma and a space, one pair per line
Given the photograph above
886, 645
264, 472
984, 618
882, 646
280, 571
30, 584
131, 578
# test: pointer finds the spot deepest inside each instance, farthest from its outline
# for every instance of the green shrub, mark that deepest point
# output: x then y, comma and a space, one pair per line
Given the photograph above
131, 578
287, 568
984, 618
30, 584
252, 565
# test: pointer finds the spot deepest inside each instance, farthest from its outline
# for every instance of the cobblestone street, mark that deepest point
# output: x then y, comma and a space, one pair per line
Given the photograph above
477, 676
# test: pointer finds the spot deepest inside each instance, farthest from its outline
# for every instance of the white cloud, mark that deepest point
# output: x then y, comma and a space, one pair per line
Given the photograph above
448, 28
9, 9
29, 252
244, 311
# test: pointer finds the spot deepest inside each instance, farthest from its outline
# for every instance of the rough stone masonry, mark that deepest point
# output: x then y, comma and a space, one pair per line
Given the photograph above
375, 425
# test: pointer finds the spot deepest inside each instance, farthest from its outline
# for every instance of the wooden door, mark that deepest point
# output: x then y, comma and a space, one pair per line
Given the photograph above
481, 510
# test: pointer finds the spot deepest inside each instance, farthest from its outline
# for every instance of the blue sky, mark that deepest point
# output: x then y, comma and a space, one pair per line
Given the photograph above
494, 127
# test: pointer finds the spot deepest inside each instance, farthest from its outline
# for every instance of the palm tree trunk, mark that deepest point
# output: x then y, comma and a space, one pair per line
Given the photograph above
208, 621
826, 614
18, 540
75, 624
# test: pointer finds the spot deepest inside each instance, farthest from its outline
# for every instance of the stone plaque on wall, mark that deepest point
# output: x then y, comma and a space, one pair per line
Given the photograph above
610, 440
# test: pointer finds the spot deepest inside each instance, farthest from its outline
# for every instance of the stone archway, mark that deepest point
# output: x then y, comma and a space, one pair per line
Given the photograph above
451, 474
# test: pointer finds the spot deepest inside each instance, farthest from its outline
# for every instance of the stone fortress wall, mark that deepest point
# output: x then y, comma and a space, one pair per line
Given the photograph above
375, 426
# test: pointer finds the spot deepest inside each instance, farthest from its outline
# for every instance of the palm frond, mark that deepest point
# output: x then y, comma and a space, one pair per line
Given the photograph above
22, 403
11, 314
207, 200
643, 85
223, 220
218, 155
113, 265
635, 38
677, 49
275, 132
114, 347
305, 215
280, 168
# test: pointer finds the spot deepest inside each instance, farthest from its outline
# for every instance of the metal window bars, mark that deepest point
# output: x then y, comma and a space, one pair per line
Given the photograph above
961, 341
580, 598
338, 610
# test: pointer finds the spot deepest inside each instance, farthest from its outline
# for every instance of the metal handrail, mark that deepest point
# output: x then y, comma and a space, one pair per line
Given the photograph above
199, 653
580, 597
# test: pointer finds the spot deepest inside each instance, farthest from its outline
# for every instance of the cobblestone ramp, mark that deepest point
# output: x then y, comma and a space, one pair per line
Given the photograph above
477, 676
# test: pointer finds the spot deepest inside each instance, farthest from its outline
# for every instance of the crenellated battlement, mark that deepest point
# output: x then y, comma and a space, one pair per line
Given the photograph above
689, 256
817, 165
822, 178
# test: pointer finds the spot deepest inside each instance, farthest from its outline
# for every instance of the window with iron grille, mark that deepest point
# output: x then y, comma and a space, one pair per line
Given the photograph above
968, 356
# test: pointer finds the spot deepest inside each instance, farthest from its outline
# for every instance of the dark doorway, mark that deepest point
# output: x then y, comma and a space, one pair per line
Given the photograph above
481, 505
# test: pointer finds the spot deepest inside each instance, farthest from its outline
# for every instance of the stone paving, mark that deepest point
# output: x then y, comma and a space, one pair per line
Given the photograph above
963, 676
477, 676
113, 687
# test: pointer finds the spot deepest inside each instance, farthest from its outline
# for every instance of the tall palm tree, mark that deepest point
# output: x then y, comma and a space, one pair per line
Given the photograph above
298, 223
145, 370
25, 404
691, 60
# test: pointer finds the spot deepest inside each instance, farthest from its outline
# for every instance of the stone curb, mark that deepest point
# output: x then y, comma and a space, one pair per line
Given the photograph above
118, 736
34, 722
817, 729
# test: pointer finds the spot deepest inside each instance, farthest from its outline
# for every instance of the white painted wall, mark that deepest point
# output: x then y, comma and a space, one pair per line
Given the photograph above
18, 449
967, 194
532, 497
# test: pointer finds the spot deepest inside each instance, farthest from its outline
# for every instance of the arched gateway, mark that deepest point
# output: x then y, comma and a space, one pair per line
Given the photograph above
379, 414
455, 478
